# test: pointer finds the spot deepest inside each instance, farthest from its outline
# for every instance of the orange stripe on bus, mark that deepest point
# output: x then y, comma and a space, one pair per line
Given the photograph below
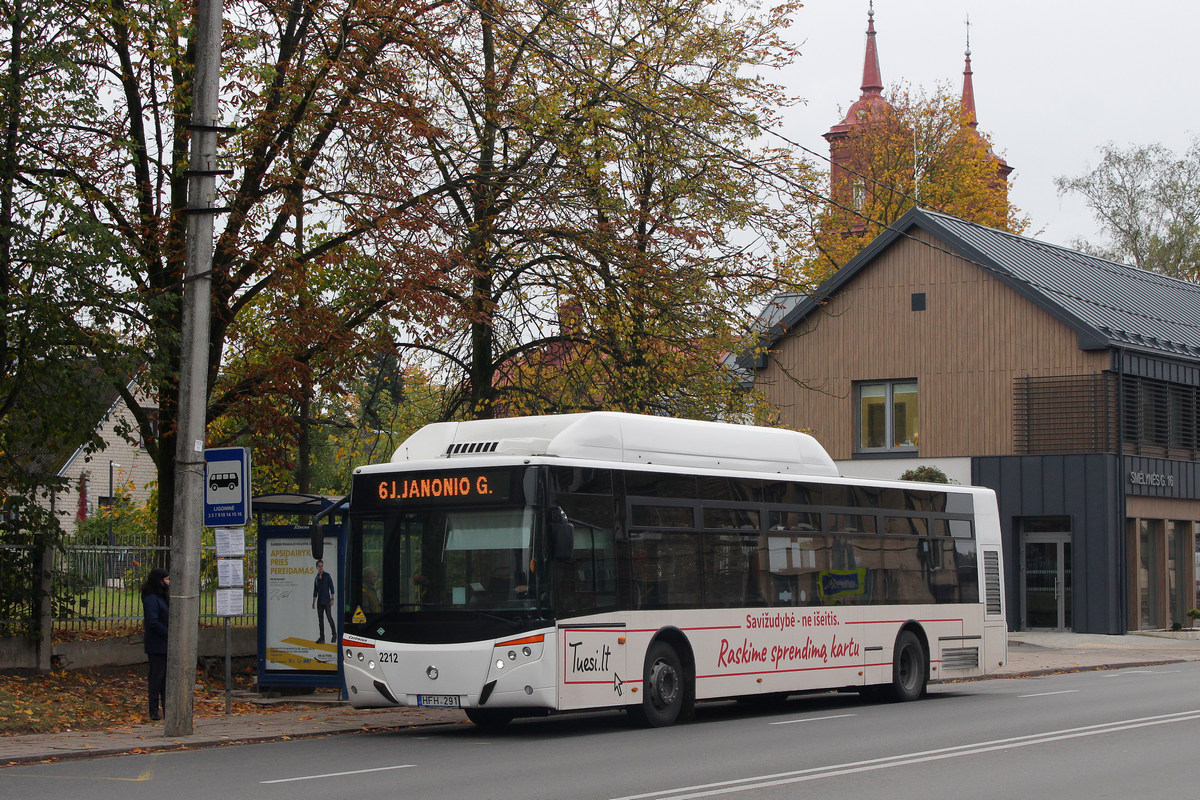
541, 637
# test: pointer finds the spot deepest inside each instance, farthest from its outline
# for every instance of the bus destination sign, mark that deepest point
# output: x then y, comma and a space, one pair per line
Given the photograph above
436, 488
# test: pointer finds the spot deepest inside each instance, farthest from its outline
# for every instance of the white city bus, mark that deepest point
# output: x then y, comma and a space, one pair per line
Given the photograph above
522, 566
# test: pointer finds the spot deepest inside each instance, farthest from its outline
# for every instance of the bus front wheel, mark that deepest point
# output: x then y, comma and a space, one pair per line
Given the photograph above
662, 687
910, 668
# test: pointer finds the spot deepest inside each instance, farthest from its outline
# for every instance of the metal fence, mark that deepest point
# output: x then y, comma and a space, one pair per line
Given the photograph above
96, 587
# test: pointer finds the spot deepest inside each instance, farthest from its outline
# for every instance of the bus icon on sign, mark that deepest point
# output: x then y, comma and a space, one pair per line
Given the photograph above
224, 483
227, 480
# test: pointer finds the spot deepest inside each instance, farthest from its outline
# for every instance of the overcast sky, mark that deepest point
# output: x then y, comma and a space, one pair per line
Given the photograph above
1054, 80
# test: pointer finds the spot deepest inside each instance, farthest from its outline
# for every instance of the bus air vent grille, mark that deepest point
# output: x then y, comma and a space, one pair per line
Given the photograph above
960, 658
471, 448
991, 582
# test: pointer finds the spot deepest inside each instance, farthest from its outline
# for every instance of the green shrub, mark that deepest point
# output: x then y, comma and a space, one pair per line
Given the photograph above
926, 474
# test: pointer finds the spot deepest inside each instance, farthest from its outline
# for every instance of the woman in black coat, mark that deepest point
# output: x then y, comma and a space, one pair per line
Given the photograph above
156, 605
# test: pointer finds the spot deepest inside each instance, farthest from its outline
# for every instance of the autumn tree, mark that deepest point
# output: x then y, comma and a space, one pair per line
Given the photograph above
445, 174
56, 335
512, 100
910, 150
59, 330
1146, 199
378, 402
610, 174
320, 101
658, 272
382, 409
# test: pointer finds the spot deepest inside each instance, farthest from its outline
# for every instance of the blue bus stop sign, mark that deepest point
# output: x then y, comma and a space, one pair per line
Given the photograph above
227, 487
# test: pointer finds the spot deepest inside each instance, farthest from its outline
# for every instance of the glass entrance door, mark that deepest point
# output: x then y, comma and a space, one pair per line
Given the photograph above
1046, 582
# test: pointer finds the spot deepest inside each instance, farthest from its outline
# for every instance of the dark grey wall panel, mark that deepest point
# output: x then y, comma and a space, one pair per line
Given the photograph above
1084, 488
1163, 369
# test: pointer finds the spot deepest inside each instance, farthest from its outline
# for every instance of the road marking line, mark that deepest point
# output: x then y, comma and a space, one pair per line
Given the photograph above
834, 770
811, 719
337, 774
1047, 694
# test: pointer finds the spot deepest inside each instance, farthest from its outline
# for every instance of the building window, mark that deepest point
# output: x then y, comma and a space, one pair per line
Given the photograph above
887, 416
152, 413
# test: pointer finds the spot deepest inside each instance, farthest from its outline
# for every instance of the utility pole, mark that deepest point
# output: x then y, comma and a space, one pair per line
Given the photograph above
184, 623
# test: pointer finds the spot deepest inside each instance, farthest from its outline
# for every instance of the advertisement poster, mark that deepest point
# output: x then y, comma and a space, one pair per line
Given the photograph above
302, 609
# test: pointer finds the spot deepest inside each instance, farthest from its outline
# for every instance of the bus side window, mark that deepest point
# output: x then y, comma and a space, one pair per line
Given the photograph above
665, 569
731, 574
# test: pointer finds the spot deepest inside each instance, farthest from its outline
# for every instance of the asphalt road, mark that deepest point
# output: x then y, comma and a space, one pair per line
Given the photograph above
1120, 733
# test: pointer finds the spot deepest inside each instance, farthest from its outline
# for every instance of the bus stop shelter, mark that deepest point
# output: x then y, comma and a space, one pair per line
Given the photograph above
291, 651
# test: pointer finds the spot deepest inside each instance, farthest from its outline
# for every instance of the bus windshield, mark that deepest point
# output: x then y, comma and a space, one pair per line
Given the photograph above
448, 559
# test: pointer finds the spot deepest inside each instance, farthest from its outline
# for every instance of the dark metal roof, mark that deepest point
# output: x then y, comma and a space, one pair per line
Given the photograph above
777, 308
292, 503
1107, 303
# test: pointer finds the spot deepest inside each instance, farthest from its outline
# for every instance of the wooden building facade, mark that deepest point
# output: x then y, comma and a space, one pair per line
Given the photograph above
1067, 383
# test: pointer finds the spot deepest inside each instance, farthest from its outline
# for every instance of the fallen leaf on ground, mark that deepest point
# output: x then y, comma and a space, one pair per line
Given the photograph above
106, 698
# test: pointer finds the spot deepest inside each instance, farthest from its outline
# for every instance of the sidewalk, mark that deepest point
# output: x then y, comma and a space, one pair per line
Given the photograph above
1038, 653
1029, 654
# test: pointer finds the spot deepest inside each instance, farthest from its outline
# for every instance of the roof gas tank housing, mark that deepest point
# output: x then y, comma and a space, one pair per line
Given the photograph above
624, 438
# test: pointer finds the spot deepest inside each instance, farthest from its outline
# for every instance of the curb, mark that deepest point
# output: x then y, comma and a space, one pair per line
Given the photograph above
1043, 671
204, 742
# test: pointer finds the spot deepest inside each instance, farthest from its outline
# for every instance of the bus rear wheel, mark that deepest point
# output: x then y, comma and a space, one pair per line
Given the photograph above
662, 687
910, 668
490, 718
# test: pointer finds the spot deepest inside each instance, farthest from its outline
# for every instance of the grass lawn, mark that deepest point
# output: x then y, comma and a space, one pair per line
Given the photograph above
102, 604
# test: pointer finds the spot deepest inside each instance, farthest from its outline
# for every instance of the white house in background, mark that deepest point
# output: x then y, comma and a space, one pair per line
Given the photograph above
94, 477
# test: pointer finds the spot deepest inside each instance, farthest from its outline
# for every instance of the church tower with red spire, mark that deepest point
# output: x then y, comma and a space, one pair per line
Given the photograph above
847, 185
847, 188
1003, 170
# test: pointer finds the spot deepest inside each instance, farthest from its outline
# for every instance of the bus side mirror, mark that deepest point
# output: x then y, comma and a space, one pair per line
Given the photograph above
562, 534
316, 529
317, 537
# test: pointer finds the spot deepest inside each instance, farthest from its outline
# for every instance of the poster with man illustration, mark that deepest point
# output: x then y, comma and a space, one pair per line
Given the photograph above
298, 590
